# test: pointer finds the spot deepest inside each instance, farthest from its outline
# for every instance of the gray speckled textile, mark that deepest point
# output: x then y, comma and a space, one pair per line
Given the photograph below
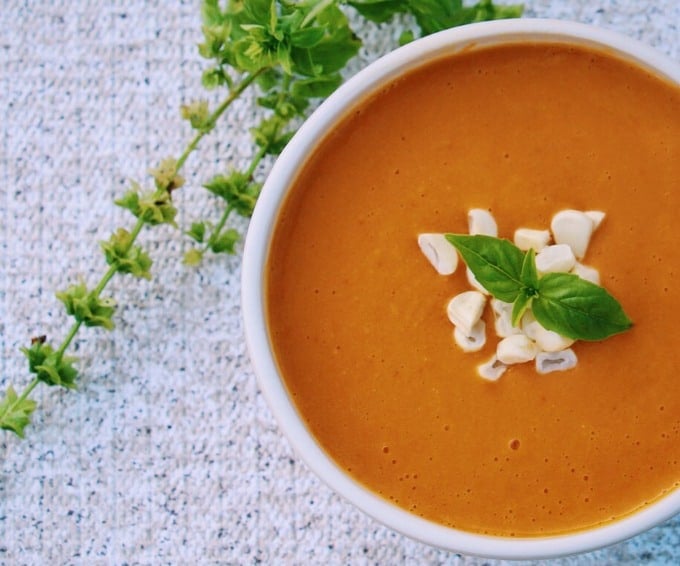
167, 453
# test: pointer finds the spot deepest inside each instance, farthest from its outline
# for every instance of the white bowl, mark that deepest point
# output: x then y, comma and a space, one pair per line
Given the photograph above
256, 249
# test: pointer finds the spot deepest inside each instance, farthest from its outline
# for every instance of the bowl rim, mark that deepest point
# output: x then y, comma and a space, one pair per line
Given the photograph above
366, 81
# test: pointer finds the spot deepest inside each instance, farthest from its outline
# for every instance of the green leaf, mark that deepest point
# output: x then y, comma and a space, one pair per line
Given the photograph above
379, 10
529, 278
237, 189
487, 10
332, 53
15, 414
127, 258
254, 52
198, 115
215, 37
269, 79
285, 104
57, 371
521, 304
578, 309
273, 18
86, 307
211, 13
225, 242
316, 87
436, 15
307, 37
268, 135
227, 186
193, 257
266, 32
153, 207
283, 58
165, 175
495, 263
37, 353
197, 231
259, 10
212, 78
406, 36
529, 275
49, 366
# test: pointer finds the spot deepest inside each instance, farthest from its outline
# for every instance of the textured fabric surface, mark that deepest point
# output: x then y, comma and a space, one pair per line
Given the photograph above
167, 453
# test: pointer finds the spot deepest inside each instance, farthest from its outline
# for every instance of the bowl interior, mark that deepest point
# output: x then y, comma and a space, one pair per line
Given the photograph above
255, 257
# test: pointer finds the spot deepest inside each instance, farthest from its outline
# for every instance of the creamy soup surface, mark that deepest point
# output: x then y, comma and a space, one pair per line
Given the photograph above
357, 314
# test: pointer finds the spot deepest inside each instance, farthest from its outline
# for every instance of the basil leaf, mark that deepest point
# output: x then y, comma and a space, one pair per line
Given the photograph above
529, 275
379, 10
577, 309
521, 304
495, 263
316, 87
308, 37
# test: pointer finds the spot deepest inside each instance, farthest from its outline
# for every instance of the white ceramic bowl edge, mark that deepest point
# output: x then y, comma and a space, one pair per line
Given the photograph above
254, 263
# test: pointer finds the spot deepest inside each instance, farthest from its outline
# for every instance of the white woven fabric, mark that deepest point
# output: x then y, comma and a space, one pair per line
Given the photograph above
167, 453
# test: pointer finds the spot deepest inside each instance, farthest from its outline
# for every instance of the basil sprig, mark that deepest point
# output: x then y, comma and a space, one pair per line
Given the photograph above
561, 302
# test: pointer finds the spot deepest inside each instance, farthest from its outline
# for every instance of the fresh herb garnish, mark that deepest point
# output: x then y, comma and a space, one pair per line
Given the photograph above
436, 15
293, 54
561, 302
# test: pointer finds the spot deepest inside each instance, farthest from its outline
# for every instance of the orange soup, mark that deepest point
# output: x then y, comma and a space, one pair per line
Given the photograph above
357, 314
